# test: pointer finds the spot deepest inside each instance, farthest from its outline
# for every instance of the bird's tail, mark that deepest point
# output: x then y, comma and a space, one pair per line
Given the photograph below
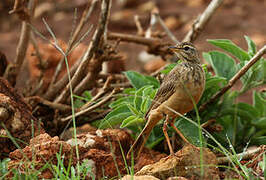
142, 138
140, 142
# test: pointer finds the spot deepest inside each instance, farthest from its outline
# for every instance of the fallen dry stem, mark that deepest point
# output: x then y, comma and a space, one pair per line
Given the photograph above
56, 106
237, 76
202, 20
91, 108
101, 92
244, 155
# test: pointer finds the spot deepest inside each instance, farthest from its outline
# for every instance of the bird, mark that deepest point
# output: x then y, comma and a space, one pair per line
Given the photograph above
179, 92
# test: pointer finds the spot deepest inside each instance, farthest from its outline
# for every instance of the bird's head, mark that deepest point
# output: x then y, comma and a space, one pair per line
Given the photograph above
186, 51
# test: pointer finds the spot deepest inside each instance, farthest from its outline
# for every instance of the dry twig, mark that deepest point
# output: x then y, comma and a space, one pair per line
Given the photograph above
237, 76
71, 44
91, 108
93, 47
202, 20
23, 41
245, 155
56, 106
160, 21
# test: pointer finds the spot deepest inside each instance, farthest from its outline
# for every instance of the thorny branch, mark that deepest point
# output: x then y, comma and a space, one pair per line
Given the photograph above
237, 76
202, 21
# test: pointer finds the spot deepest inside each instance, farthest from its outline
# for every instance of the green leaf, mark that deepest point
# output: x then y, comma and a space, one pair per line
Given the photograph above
138, 80
249, 109
133, 110
260, 123
112, 121
147, 93
131, 121
230, 47
121, 101
222, 64
214, 82
120, 109
87, 95
189, 130
251, 46
258, 140
168, 68
139, 97
114, 117
259, 103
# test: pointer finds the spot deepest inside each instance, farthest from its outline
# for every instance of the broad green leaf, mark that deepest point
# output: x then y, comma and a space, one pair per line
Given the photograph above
168, 68
131, 121
148, 94
222, 64
230, 47
259, 103
251, 46
258, 140
129, 91
234, 111
120, 109
215, 81
189, 130
248, 108
260, 123
139, 97
113, 121
122, 100
133, 110
138, 80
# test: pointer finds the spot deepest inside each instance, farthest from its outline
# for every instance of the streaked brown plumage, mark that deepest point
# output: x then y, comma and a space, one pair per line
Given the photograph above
184, 83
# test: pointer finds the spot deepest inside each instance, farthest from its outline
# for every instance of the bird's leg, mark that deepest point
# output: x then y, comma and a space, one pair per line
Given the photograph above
178, 132
166, 135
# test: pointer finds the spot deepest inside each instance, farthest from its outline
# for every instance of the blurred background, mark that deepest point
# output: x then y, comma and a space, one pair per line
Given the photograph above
233, 20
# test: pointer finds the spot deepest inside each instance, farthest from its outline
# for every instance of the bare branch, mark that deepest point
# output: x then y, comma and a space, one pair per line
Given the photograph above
93, 47
202, 21
167, 31
86, 14
23, 41
237, 76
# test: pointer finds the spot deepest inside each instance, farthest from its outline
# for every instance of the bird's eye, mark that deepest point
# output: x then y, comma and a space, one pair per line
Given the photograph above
186, 48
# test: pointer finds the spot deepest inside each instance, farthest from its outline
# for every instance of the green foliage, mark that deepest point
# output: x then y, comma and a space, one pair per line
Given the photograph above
81, 100
241, 122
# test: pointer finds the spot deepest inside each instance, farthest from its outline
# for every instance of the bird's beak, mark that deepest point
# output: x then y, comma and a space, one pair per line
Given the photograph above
174, 48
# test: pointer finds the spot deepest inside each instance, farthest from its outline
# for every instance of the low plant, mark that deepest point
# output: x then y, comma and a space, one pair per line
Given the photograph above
241, 122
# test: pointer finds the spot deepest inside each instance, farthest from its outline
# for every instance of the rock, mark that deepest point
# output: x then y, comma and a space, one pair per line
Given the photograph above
177, 178
42, 149
17, 120
129, 177
185, 163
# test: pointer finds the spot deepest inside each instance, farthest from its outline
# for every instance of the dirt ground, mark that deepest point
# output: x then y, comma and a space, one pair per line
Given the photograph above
233, 20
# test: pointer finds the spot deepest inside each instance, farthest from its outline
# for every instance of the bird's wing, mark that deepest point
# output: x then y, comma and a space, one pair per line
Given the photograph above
167, 88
